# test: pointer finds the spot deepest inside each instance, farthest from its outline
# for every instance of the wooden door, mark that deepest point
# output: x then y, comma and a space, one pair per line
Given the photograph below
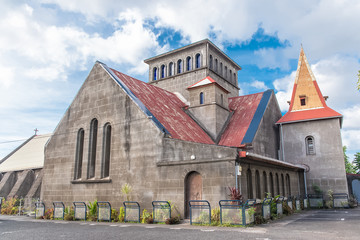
193, 190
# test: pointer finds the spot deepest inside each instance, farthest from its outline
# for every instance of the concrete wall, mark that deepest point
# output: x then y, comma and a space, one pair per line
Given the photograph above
327, 169
296, 183
266, 140
180, 81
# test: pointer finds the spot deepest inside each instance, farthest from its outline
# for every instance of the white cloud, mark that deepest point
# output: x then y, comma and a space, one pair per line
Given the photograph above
259, 85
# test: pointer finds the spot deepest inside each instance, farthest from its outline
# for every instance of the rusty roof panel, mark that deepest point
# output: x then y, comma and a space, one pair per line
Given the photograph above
244, 108
167, 109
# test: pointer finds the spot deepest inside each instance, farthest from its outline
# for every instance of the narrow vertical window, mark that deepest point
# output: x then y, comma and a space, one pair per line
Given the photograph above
283, 185
310, 145
226, 72
302, 101
221, 69
257, 184
216, 65
277, 184
235, 80
211, 62
272, 185
249, 184
221, 99
179, 66
288, 186
162, 71
171, 69
230, 75
265, 183
188, 63
105, 167
155, 73
92, 148
197, 60
201, 98
79, 154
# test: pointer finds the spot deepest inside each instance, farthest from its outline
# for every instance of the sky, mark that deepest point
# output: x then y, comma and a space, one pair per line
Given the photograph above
48, 47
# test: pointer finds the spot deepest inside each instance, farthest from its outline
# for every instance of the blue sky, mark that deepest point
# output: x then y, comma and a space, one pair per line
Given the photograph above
48, 47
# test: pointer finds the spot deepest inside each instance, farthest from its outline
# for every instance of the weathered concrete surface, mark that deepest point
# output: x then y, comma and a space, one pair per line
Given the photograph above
23, 184
7, 183
327, 169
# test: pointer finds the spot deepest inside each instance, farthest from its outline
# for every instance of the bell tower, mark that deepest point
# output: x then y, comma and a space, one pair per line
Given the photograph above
310, 133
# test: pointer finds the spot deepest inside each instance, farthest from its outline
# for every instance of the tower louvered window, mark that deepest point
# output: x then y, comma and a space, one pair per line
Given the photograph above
310, 145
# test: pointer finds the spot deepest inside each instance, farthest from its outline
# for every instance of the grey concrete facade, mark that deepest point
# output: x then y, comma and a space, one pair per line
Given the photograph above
326, 165
180, 80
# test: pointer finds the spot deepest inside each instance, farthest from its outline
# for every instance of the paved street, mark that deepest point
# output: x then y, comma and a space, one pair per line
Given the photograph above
314, 224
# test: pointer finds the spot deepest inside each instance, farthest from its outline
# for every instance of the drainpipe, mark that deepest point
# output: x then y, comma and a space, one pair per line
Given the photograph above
305, 182
282, 143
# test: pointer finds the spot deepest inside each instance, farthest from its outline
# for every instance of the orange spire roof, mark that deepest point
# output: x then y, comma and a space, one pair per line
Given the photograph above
307, 101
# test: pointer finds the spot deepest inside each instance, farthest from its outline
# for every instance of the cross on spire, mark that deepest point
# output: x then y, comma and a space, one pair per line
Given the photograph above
36, 130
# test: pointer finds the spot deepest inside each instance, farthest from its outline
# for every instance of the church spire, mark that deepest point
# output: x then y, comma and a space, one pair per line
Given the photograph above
307, 101
306, 93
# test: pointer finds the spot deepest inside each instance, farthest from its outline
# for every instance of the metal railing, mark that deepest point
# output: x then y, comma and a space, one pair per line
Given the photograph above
59, 209
161, 211
316, 200
340, 200
132, 211
231, 212
80, 210
103, 211
200, 212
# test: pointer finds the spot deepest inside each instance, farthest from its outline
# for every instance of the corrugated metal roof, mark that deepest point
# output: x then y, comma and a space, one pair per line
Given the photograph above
29, 156
311, 114
167, 109
244, 108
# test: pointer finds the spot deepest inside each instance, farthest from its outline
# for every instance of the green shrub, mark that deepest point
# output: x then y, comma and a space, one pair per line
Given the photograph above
172, 220
69, 214
9, 206
114, 215
121, 215
49, 214
145, 216
92, 213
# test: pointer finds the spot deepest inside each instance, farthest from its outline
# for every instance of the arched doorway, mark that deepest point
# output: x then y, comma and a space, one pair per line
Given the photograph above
193, 190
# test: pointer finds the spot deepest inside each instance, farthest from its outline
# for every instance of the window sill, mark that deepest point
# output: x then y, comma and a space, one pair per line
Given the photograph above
79, 181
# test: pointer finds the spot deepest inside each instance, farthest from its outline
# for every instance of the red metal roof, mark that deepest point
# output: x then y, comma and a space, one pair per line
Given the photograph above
244, 108
311, 114
167, 108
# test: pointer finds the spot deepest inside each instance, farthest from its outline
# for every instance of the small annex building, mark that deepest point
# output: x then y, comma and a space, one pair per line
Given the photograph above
21, 170
182, 136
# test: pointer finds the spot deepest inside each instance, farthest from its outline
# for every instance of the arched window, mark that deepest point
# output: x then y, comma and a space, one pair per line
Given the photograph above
249, 184
105, 166
221, 69
272, 185
201, 98
211, 62
283, 185
92, 148
188, 63
179, 66
265, 183
235, 80
162, 71
288, 186
197, 60
257, 184
277, 184
171, 69
79, 154
226, 72
310, 145
230, 76
216, 65
155, 73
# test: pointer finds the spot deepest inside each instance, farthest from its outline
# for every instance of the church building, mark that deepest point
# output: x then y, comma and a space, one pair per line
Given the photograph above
188, 135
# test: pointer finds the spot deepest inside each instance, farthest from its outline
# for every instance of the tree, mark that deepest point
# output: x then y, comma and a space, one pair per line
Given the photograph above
356, 162
348, 165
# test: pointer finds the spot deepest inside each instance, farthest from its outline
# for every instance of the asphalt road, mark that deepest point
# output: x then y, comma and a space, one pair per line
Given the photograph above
312, 224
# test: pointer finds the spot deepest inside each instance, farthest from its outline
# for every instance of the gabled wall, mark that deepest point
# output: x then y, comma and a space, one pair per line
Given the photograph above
266, 140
